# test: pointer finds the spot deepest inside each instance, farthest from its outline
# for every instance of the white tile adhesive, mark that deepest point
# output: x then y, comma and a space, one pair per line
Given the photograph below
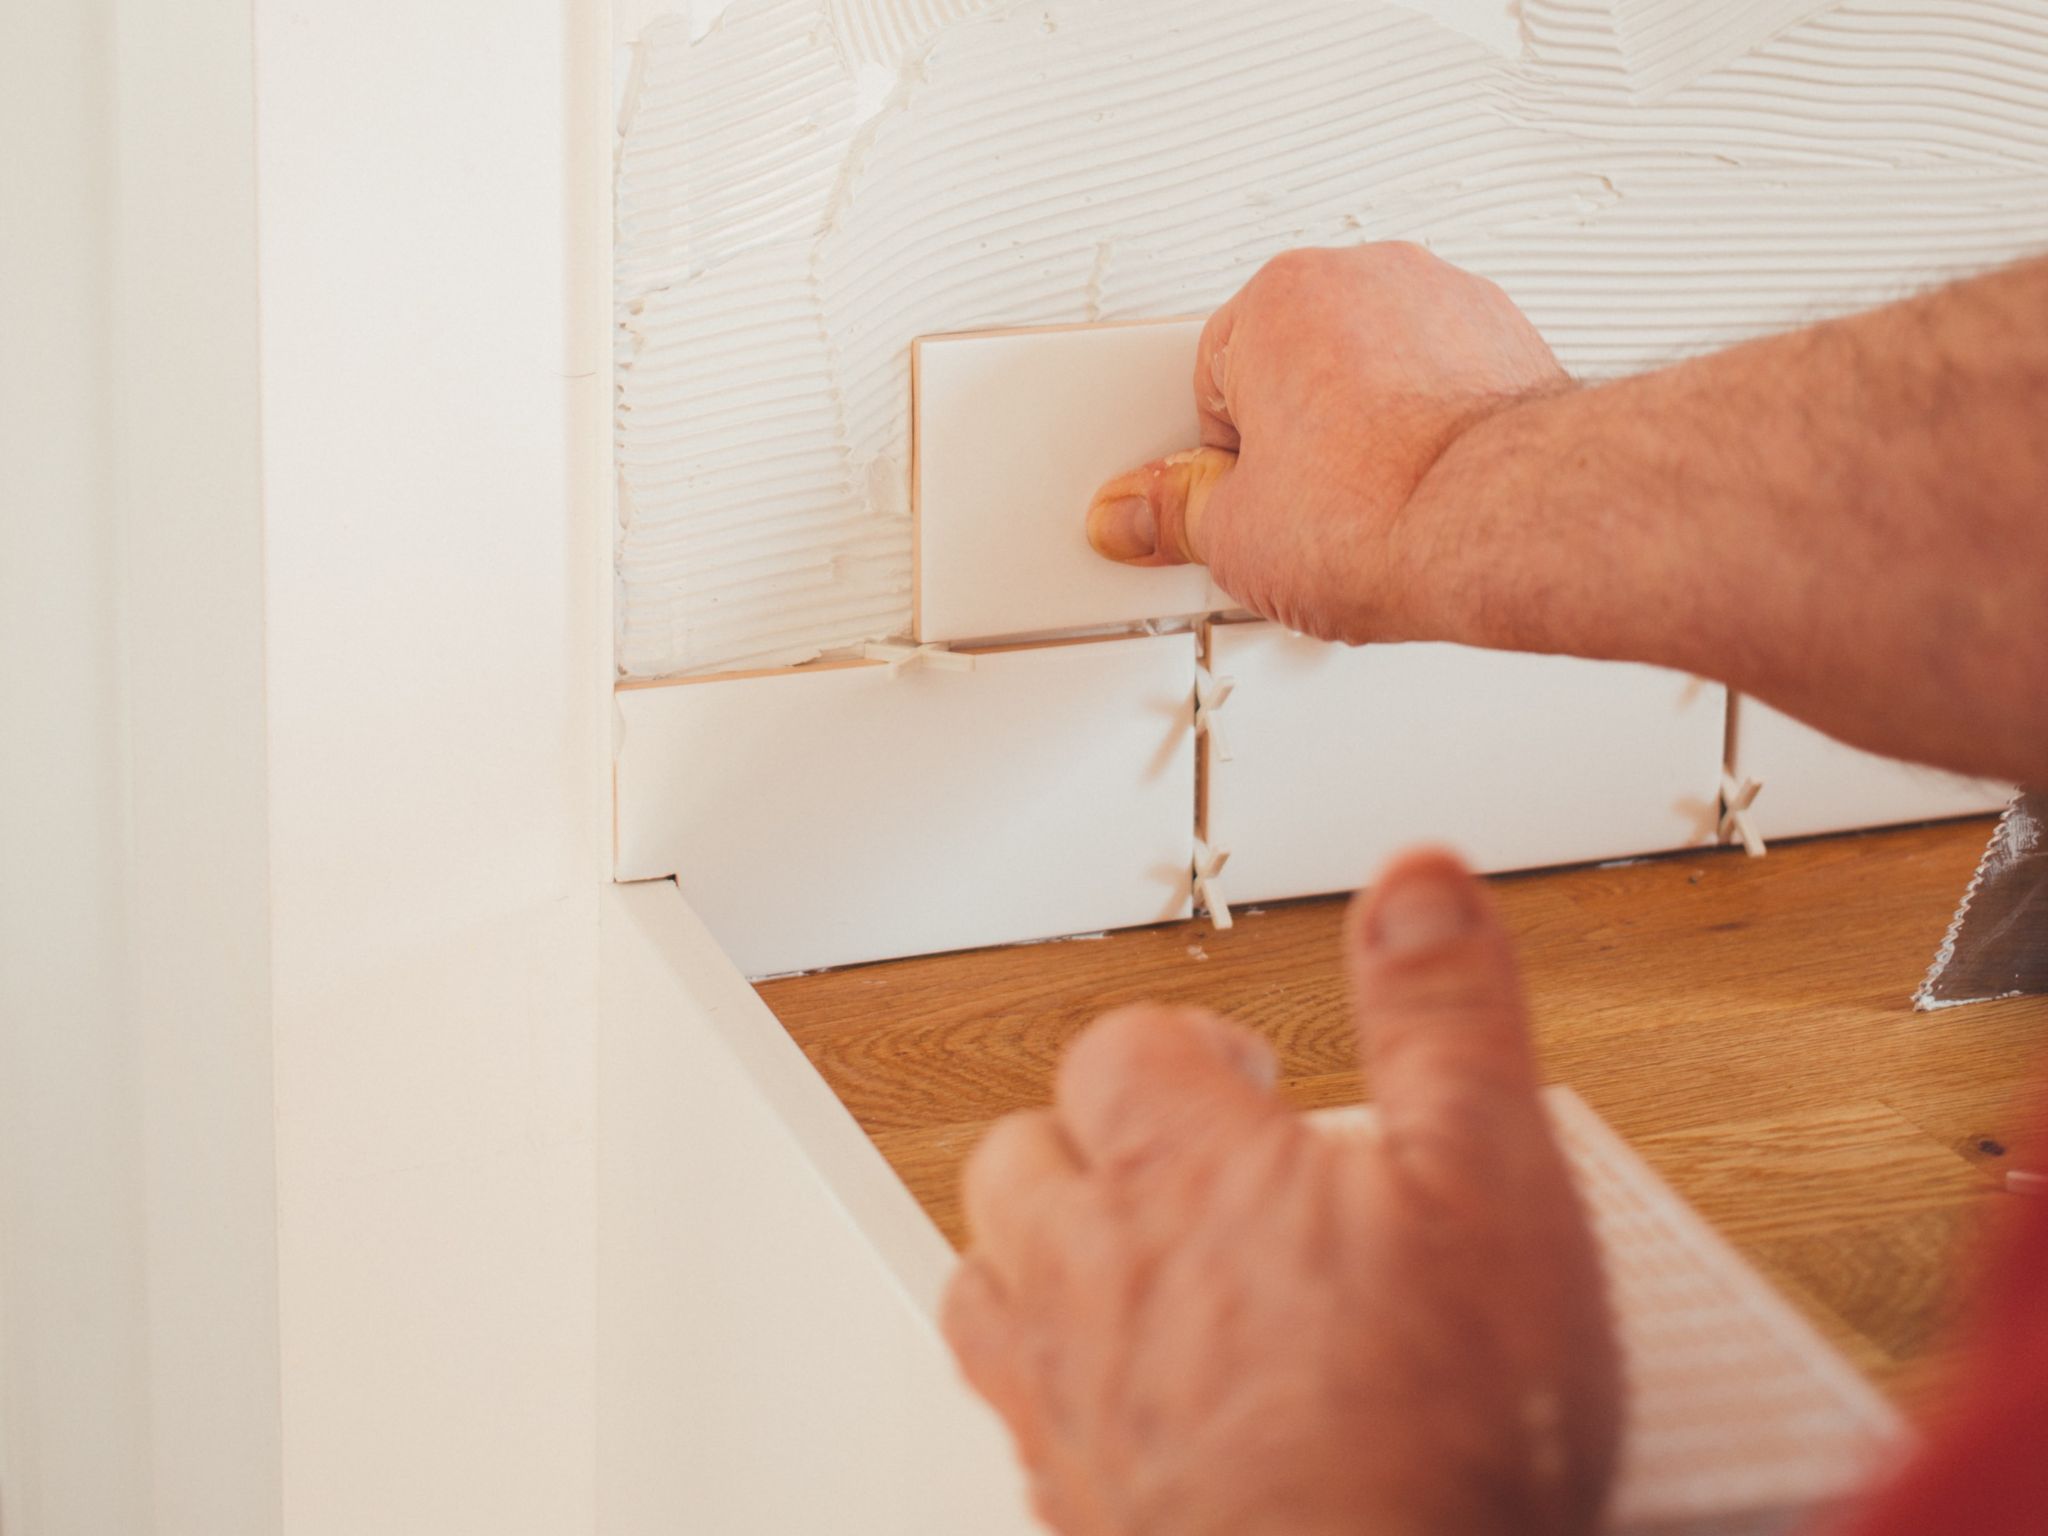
806, 185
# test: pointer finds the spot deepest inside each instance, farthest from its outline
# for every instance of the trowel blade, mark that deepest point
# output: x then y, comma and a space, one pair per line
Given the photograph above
1997, 943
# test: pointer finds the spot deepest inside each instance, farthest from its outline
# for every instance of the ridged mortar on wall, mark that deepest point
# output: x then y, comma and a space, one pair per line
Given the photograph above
810, 184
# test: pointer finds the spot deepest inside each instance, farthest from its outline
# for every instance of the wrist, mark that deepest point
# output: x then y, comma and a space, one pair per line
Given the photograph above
1466, 548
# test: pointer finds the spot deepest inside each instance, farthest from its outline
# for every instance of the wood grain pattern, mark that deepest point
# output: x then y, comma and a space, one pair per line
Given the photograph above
1745, 1023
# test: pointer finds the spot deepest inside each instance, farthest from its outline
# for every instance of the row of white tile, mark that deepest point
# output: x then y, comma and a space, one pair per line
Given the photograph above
1814, 784
1339, 757
839, 814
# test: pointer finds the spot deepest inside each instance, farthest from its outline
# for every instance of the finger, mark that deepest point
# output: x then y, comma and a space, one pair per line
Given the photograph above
1445, 1033
1015, 1184
1149, 1082
1161, 513
1157, 514
1443, 1026
977, 1322
1212, 378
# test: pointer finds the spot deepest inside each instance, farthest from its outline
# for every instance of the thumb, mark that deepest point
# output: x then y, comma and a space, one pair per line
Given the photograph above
1443, 1028
1162, 513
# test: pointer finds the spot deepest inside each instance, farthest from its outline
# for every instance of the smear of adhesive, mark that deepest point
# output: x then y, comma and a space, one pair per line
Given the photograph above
809, 184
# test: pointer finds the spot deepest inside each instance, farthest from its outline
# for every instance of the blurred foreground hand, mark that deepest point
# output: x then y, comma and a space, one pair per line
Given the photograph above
1199, 1314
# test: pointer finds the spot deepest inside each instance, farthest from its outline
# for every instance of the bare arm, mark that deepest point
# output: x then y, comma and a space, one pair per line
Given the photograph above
1850, 521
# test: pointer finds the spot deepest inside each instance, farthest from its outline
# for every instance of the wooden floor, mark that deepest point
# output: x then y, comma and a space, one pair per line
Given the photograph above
1743, 1022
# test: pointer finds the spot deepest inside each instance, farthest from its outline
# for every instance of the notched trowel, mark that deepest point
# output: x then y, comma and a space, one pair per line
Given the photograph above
1997, 943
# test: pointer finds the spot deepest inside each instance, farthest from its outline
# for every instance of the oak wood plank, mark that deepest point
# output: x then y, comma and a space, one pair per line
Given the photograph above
1744, 1022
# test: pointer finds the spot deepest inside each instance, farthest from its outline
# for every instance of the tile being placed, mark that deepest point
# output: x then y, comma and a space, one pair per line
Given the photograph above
1014, 432
1813, 783
830, 815
1337, 758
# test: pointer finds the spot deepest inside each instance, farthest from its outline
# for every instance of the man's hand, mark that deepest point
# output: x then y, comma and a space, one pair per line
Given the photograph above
1844, 521
1327, 387
1200, 1314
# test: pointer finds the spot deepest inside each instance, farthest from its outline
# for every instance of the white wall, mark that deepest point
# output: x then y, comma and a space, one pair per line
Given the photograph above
137, 1228
189, 490
301, 767
433, 414
73, 1425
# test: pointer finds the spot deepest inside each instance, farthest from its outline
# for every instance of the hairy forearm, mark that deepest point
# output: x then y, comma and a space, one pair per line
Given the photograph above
1849, 521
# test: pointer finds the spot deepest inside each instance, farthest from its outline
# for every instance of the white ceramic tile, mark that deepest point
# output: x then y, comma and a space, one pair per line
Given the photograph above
1015, 430
1340, 757
1813, 783
829, 816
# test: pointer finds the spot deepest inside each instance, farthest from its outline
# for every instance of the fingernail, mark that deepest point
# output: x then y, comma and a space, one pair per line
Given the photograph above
1123, 529
1421, 911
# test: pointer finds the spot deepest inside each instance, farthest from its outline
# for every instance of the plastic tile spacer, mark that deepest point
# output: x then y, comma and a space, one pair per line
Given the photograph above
1208, 866
933, 654
1736, 799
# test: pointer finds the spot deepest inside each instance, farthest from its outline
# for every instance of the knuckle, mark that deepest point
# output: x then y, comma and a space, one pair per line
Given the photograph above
1302, 266
1401, 255
1016, 1168
1143, 1077
1282, 263
1137, 1031
997, 1149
